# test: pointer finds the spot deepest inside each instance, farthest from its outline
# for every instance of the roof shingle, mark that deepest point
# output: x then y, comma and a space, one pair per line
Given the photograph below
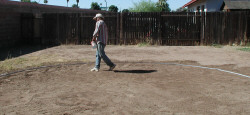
19, 6
237, 4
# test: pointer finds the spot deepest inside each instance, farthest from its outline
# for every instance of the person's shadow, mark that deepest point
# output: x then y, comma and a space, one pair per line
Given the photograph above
135, 71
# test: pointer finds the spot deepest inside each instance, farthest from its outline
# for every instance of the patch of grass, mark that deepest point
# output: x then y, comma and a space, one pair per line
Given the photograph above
248, 44
217, 45
247, 49
143, 44
10, 64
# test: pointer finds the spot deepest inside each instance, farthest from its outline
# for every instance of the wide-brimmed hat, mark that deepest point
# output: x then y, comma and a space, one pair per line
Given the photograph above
98, 16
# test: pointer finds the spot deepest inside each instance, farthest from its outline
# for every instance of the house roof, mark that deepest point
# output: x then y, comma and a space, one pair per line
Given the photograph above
237, 4
231, 4
29, 7
189, 3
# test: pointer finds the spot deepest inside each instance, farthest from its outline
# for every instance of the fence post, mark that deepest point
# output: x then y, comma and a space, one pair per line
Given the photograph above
160, 28
202, 28
57, 28
246, 15
117, 29
223, 26
121, 28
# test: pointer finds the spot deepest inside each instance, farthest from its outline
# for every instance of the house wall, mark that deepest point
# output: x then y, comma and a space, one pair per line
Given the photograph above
214, 5
10, 31
210, 5
193, 7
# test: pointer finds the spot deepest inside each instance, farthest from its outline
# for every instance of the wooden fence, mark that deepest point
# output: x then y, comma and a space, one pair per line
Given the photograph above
133, 28
65, 28
186, 28
226, 28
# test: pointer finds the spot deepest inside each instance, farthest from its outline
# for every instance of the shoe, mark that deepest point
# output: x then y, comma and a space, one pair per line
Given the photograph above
111, 68
94, 69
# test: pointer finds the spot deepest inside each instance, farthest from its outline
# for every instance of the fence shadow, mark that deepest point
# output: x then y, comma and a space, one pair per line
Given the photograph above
135, 71
12, 52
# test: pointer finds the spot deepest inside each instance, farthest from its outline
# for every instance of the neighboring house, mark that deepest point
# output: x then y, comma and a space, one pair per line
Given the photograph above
204, 5
217, 5
235, 5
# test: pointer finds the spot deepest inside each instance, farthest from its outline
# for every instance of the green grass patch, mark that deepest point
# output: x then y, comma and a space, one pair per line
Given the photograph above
18, 63
217, 45
247, 49
14, 63
143, 44
248, 44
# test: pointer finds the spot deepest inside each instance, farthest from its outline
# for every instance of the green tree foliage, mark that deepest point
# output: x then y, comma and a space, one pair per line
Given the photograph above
67, 2
181, 9
34, 2
25, 1
167, 8
77, 1
163, 5
95, 6
125, 10
45, 1
29, 1
75, 6
145, 6
113, 8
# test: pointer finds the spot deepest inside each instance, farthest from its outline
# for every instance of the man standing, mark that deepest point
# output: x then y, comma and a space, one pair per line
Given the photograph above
100, 36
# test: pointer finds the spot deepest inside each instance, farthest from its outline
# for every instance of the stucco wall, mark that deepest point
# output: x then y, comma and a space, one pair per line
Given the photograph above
210, 5
194, 6
214, 5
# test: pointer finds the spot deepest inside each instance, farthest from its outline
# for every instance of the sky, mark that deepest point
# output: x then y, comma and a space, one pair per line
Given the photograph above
121, 4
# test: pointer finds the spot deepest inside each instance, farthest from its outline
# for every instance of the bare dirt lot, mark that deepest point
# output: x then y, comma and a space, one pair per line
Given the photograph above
146, 81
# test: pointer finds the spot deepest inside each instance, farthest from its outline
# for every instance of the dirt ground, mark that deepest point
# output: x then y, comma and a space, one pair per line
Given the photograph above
143, 83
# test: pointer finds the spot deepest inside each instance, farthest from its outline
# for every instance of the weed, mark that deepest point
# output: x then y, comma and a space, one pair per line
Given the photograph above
13, 63
248, 44
217, 45
143, 44
247, 49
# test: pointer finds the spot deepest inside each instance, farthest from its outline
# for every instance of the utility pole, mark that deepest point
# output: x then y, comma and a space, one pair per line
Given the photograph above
106, 4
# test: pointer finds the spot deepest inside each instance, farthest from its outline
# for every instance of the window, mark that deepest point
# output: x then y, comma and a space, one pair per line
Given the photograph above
198, 9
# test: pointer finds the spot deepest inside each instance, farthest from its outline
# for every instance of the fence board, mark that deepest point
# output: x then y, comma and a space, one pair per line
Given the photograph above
163, 28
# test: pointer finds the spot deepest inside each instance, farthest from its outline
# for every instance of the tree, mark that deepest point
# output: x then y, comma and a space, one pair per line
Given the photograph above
113, 8
125, 10
34, 2
75, 6
163, 5
95, 6
45, 1
77, 1
25, 1
145, 6
67, 2
181, 9
29, 1
167, 8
